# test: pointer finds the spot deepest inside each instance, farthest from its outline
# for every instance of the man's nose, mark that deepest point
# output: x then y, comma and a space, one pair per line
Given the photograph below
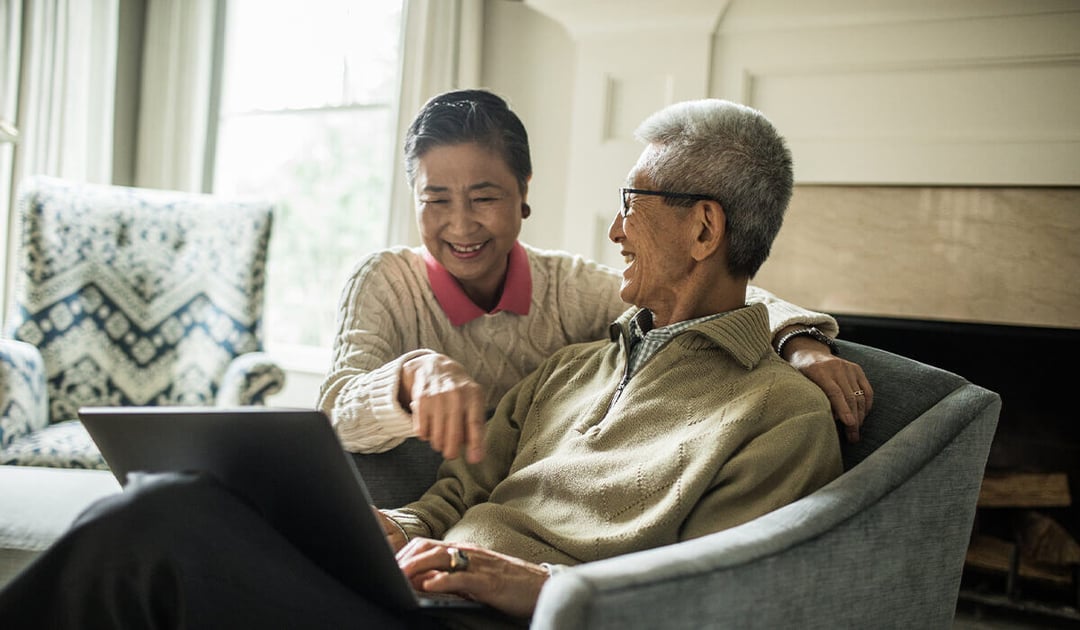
615, 232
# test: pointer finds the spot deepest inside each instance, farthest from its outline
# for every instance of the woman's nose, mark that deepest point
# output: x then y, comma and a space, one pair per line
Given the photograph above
461, 214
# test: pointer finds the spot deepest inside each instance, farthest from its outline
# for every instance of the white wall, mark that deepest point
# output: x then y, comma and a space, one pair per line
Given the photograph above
968, 110
966, 92
885, 92
529, 59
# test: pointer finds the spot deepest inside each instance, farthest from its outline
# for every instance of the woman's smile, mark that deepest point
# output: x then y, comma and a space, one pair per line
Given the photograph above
466, 251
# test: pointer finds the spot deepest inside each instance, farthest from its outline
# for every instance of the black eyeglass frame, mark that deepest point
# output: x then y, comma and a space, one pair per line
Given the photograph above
624, 192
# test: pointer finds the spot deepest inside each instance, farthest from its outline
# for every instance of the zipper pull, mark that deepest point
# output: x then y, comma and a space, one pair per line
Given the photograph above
616, 395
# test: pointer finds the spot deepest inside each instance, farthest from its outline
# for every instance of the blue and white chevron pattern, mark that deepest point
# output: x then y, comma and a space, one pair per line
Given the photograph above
136, 296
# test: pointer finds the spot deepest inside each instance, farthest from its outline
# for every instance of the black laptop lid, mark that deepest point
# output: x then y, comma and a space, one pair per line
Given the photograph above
288, 464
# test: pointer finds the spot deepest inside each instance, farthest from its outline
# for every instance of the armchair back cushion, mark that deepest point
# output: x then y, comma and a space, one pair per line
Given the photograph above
136, 296
129, 296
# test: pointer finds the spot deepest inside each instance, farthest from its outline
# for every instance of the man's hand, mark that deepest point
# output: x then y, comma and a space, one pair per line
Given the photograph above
504, 582
842, 381
447, 405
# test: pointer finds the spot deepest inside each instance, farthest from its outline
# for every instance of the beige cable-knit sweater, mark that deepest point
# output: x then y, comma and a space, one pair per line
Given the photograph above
713, 431
388, 314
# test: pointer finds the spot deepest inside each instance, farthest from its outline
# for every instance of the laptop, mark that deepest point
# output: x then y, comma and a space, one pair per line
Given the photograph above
288, 464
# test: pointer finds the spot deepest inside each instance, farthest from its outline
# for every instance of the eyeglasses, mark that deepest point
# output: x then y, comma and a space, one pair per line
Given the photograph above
626, 192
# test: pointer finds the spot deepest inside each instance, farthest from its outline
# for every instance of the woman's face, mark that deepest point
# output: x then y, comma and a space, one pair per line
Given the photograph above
469, 209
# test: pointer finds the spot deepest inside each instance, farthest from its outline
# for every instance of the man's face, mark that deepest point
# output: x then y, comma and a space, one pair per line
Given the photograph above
652, 240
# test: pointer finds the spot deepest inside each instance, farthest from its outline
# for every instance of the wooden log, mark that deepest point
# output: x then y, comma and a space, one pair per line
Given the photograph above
1022, 489
1044, 540
991, 554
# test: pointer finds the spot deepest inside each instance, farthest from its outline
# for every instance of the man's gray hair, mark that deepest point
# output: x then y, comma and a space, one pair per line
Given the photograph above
733, 154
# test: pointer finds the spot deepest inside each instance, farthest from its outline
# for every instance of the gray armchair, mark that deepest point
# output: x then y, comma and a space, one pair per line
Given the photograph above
882, 546
128, 296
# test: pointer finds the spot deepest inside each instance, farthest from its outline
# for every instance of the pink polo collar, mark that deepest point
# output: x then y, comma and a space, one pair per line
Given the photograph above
516, 295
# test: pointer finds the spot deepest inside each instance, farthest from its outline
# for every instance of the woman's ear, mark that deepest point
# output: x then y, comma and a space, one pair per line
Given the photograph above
525, 209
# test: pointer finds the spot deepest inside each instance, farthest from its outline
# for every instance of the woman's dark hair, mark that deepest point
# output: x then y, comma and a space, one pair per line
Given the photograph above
464, 116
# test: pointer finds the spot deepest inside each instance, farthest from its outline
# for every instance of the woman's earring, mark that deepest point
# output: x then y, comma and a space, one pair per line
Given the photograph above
525, 211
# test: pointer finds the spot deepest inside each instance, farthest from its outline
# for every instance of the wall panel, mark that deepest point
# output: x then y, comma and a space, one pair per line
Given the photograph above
869, 95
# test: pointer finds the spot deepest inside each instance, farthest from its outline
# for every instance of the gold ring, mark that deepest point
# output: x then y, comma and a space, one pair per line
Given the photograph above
858, 392
459, 560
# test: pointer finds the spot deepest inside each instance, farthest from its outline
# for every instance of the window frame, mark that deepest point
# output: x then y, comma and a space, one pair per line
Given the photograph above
296, 357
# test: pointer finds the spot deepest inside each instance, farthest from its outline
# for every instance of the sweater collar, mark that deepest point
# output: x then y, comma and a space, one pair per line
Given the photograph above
744, 333
516, 295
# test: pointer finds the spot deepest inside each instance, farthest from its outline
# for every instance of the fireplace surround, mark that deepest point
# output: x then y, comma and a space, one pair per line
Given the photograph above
1038, 439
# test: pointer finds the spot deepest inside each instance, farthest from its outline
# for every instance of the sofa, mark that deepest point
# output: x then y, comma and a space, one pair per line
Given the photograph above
881, 546
37, 503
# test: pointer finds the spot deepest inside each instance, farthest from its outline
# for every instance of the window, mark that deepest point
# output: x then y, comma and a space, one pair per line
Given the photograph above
307, 118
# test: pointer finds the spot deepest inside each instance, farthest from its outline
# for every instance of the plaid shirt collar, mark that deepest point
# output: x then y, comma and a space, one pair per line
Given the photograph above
646, 341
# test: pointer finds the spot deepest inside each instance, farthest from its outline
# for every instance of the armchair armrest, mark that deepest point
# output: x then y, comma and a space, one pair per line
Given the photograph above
24, 401
249, 380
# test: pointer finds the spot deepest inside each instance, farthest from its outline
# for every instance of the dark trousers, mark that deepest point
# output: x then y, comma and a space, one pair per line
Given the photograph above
180, 551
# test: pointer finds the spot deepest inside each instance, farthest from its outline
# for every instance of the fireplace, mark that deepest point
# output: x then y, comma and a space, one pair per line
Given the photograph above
1024, 555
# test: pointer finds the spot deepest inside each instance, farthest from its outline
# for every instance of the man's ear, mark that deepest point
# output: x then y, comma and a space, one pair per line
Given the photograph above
709, 229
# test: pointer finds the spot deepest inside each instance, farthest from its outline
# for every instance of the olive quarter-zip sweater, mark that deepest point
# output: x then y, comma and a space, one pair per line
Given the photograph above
713, 431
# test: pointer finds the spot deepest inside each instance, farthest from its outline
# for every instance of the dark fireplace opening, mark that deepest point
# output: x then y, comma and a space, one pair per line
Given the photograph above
1024, 555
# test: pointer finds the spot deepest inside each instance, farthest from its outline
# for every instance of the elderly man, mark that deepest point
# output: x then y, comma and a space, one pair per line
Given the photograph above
684, 424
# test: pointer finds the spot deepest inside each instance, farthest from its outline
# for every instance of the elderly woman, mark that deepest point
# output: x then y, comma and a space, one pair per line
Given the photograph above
684, 423
430, 338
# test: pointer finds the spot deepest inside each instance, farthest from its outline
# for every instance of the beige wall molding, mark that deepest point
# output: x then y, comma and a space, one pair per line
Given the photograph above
631, 59
585, 19
976, 93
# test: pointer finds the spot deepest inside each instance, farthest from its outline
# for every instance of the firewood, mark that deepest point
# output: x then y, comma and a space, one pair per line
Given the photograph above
1044, 540
988, 553
1018, 489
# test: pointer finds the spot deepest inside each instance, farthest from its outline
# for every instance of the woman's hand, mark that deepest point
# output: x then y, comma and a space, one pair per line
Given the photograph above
509, 584
447, 405
842, 381
395, 535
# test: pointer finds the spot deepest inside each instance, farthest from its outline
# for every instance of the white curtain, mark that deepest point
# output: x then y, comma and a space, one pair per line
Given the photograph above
58, 83
441, 51
10, 45
68, 89
175, 107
